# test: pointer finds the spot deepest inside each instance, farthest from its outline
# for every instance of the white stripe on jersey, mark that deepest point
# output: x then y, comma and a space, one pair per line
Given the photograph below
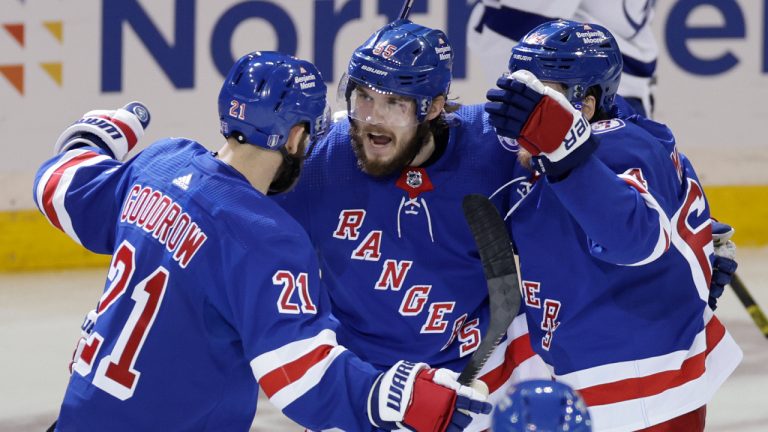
642, 412
619, 371
311, 377
699, 277
665, 226
271, 360
617, 417
60, 194
47, 176
532, 367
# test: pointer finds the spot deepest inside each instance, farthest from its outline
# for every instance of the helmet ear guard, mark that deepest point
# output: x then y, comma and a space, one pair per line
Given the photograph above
577, 55
266, 93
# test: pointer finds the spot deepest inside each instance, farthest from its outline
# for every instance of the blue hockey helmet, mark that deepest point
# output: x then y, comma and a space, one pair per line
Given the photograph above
266, 93
403, 58
542, 406
574, 54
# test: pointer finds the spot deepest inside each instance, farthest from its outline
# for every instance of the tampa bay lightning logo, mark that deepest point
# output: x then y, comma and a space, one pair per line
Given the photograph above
646, 12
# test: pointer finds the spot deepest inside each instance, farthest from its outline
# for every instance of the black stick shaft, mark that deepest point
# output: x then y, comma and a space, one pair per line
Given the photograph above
407, 5
757, 314
498, 260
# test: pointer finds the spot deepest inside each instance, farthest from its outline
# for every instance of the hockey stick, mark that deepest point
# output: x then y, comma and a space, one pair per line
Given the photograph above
407, 5
749, 303
721, 234
500, 270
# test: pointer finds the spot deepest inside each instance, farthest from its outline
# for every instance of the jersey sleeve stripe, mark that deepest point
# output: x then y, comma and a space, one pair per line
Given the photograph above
267, 362
46, 177
665, 226
296, 389
53, 187
284, 375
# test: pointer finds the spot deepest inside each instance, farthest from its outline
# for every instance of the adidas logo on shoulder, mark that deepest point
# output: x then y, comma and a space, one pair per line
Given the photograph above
183, 181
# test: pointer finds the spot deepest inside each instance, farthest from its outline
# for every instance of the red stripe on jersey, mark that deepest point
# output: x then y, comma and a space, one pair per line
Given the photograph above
633, 388
53, 183
518, 351
634, 183
274, 381
127, 131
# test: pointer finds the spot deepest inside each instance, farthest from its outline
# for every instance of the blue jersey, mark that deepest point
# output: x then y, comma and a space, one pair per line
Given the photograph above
212, 287
616, 264
397, 256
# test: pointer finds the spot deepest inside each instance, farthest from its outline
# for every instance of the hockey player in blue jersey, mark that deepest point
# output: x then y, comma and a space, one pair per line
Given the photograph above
213, 291
381, 200
614, 238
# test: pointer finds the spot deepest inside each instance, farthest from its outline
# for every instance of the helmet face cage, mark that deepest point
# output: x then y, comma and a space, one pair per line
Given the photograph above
404, 59
266, 93
577, 55
541, 405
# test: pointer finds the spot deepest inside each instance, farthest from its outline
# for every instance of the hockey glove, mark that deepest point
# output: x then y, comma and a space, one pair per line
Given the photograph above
542, 121
725, 264
416, 397
115, 131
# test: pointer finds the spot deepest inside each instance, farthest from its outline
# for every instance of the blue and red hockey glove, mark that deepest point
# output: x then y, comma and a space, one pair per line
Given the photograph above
542, 121
417, 397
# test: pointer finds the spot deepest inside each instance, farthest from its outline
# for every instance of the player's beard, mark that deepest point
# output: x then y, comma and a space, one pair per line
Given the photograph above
402, 158
288, 174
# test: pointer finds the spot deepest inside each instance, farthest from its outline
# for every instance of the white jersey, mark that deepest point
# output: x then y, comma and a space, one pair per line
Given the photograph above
497, 25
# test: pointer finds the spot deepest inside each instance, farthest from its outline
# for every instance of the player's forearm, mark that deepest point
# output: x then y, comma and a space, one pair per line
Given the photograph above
339, 399
619, 215
69, 190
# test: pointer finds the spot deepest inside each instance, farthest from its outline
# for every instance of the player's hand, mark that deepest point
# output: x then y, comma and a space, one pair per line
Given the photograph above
414, 396
542, 121
116, 131
725, 263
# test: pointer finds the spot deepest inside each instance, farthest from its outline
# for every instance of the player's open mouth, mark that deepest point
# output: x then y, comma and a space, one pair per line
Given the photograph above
378, 144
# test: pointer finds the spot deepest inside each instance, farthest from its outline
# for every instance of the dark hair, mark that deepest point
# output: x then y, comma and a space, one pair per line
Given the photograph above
438, 125
600, 112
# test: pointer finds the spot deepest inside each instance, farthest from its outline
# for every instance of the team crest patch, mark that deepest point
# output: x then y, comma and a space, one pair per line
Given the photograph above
604, 126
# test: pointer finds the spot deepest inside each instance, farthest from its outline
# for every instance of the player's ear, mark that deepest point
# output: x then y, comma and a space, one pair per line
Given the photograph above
297, 139
589, 106
436, 108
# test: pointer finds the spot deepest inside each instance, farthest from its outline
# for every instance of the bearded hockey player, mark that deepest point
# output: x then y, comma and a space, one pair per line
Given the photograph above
381, 200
